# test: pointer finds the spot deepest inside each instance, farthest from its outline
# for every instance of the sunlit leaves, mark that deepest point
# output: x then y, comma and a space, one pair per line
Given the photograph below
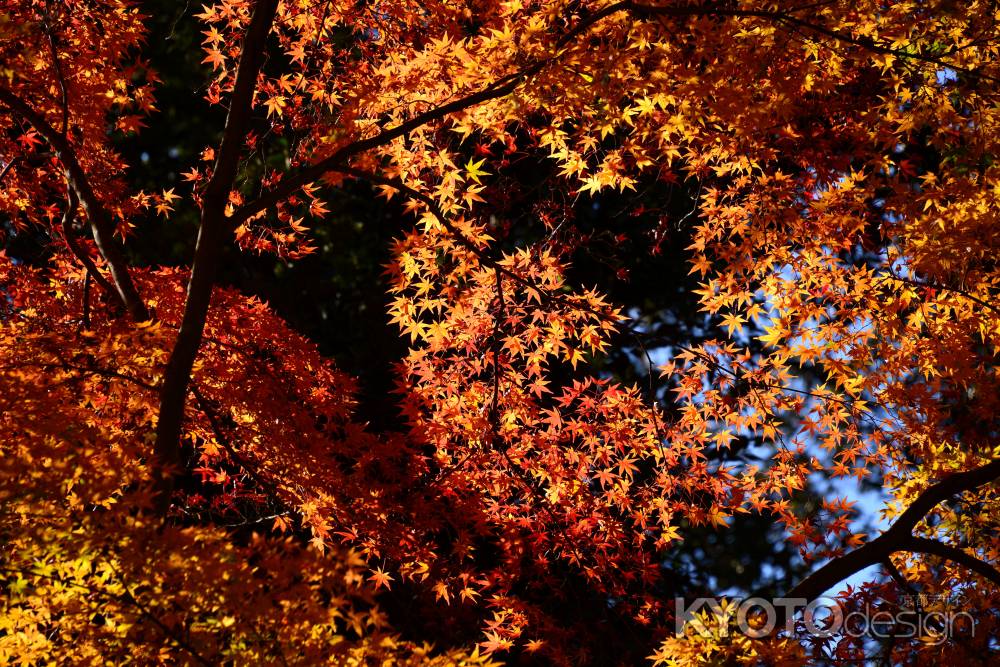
841, 162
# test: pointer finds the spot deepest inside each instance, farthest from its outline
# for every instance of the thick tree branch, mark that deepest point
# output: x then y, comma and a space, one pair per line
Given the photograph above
100, 220
208, 250
943, 490
923, 545
899, 537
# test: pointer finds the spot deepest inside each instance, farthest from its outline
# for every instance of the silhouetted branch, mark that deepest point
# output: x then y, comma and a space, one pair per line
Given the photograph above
899, 537
100, 220
208, 251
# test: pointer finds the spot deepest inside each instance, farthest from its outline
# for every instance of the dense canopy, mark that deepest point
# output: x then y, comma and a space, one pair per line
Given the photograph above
474, 332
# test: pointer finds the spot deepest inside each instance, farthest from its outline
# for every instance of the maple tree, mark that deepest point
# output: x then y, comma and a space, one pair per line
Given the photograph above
185, 478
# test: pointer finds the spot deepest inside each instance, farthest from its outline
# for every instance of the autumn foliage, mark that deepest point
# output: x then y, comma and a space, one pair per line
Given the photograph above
185, 479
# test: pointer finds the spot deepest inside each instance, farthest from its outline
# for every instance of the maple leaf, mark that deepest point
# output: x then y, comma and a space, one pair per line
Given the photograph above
215, 57
468, 594
441, 592
534, 645
494, 642
275, 105
605, 477
733, 322
380, 578
474, 170
724, 438
29, 140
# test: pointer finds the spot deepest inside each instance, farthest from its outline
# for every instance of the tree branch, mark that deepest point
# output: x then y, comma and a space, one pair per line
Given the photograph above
217, 429
461, 238
288, 186
943, 490
7, 167
923, 545
208, 251
499, 88
215, 224
100, 220
67, 228
944, 288
125, 598
899, 537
